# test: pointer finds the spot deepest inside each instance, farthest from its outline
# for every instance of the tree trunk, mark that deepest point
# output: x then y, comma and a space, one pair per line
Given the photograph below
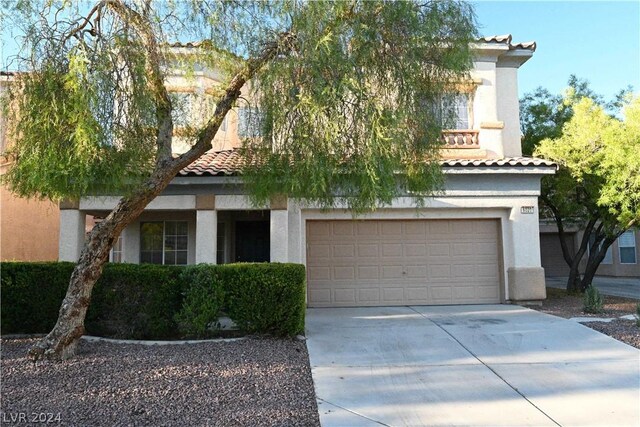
574, 280
595, 260
61, 342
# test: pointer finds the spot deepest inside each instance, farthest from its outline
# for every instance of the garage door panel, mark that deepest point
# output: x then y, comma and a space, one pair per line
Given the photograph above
344, 250
369, 295
393, 295
319, 273
378, 262
415, 249
438, 249
343, 228
367, 228
345, 296
439, 271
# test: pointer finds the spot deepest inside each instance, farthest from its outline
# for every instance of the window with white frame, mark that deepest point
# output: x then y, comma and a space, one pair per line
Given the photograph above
627, 247
164, 242
191, 108
454, 111
249, 122
117, 253
608, 257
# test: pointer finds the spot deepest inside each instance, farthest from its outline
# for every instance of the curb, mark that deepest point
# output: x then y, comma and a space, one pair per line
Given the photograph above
91, 338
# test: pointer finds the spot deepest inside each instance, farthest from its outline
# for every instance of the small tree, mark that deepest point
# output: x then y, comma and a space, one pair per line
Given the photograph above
345, 90
597, 186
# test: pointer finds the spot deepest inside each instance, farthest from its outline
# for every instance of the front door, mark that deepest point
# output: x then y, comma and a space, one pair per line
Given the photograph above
252, 241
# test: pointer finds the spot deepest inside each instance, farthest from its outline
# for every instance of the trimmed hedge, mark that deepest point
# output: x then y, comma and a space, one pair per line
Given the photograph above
265, 297
158, 302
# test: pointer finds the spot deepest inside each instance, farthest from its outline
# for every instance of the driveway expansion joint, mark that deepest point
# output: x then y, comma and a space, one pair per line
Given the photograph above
352, 411
487, 366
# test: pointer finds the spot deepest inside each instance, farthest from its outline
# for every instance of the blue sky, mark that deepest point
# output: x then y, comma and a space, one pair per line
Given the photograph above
597, 41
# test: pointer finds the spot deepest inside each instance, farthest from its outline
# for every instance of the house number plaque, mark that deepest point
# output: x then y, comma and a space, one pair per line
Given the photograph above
527, 209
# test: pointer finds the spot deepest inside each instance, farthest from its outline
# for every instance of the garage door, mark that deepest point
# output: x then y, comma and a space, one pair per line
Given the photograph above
551, 254
369, 263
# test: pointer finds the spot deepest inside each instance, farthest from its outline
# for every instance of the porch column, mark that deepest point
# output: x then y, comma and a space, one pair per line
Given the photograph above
72, 231
279, 240
206, 229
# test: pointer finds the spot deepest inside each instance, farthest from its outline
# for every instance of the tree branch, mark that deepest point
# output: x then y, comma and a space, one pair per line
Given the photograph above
283, 44
156, 79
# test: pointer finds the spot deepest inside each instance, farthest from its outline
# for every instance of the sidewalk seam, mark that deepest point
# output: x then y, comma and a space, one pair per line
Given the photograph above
487, 366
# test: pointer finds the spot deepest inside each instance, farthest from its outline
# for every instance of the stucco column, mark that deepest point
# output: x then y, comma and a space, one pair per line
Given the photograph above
279, 241
206, 229
525, 276
72, 231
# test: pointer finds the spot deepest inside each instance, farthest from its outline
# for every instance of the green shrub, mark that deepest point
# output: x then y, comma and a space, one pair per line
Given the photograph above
137, 301
266, 297
148, 301
31, 295
203, 298
592, 300
638, 314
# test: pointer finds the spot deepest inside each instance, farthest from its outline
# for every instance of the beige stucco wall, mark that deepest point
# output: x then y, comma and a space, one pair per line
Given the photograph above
28, 228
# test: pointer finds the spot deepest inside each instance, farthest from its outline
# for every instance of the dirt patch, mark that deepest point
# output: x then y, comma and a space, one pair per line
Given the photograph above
250, 382
559, 303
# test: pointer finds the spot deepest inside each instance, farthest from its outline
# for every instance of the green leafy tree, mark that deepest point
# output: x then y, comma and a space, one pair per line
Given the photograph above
597, 187
344, 90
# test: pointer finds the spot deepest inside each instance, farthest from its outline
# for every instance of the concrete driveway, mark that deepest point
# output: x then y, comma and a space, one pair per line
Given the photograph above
468, 365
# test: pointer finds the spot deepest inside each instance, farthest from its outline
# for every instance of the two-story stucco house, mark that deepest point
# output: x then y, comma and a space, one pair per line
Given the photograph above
476, 243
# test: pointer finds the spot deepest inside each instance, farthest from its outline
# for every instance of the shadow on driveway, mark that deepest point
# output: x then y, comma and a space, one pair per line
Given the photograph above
467, 365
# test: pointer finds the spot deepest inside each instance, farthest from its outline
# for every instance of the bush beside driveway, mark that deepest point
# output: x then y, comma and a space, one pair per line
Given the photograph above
560, 304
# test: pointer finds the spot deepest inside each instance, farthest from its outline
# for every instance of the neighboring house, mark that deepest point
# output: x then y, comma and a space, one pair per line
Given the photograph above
28, 227
476, 243
622, 258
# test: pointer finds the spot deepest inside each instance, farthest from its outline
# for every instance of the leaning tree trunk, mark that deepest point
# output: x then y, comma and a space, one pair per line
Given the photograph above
61, 342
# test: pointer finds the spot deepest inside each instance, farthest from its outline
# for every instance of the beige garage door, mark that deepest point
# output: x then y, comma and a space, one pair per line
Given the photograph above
369, 263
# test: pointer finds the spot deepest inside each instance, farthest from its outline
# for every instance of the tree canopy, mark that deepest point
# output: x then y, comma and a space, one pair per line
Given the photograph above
597, 187
347, 97
344, 92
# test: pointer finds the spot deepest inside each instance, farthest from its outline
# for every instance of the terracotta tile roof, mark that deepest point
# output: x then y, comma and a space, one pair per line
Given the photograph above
506, 40
500, 39
215, 163
229, 162
507, 161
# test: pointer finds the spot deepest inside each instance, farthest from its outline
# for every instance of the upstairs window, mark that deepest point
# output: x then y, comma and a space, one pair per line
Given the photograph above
627, 247
191, 109
454, 112
249, 122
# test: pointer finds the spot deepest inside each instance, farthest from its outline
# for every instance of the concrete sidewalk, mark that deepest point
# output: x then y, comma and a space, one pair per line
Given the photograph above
467, 365
628, 287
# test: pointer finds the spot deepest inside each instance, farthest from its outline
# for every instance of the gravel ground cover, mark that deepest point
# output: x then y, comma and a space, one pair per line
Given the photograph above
623, 330
252, 382
560, 304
